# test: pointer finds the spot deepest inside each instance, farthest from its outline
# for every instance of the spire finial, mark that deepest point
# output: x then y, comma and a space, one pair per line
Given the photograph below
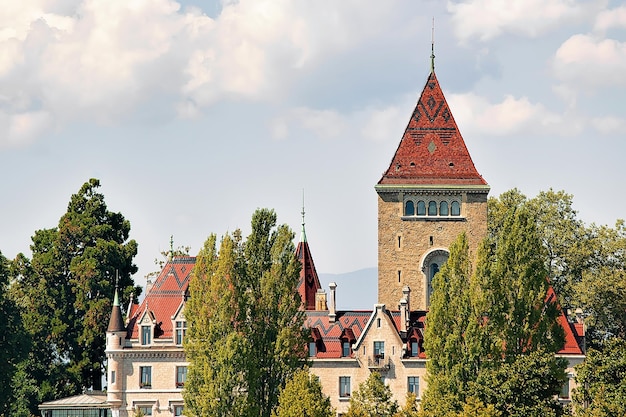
116, 299
303, 237
432, 49
171, 247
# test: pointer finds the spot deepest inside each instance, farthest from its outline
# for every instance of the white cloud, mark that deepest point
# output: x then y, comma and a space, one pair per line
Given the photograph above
478, 116
22, 128
99, 60
487, 19
608, 19
585, 61
609, 125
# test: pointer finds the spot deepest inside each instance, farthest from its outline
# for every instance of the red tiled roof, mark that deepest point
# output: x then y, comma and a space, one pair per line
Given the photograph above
572, 334
331, 333
309, 282
165, 297
432, 150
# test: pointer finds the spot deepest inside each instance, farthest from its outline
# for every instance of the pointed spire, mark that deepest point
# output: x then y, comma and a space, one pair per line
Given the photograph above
116, 323
432, 49
303, 235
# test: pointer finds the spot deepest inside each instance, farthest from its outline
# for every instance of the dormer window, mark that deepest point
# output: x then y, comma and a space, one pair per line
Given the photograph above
181, 329
146, 335
415, 351
312, 349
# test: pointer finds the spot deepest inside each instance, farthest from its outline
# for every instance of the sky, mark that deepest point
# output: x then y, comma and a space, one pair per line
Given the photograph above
193, 114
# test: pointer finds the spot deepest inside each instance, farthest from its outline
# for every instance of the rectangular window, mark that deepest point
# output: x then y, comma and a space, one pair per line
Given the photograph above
344, 386
178, 410
379, 350
112, 377
312, 349
564, 394
146, 377
345, 349
145, 409
414, 349
414, 385
146, 333
181, 376
181, 329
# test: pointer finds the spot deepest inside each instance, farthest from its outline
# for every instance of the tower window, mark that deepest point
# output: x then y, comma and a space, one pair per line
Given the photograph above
399, 275
443, 208
432, 208
421, 208
409, 208
455, 208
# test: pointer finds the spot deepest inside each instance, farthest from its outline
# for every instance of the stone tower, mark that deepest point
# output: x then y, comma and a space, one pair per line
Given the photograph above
430, 193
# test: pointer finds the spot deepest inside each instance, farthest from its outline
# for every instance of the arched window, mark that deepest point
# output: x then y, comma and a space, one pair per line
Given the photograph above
430, 266
432, 208
421, 208
443, 208
409, 208
455, 208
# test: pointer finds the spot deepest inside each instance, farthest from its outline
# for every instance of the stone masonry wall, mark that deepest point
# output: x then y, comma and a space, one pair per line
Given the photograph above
403, 244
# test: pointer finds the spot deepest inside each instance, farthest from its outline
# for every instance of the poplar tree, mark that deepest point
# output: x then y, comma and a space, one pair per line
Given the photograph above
372, 399
482, 325
246, 334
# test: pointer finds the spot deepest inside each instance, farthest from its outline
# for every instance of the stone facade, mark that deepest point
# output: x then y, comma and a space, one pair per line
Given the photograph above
404, 242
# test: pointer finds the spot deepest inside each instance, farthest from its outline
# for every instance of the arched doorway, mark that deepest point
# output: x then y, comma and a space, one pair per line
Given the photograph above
432, 263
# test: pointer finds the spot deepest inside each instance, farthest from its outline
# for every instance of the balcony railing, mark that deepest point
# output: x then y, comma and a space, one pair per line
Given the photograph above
378, 362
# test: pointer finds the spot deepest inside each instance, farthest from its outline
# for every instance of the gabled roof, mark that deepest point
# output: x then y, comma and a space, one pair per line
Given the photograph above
347, 324
432, 150
165, 297
573, 333
309, 282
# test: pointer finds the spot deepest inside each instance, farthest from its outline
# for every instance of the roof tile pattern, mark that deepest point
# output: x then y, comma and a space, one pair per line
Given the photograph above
432, 150
164, 298
309, 282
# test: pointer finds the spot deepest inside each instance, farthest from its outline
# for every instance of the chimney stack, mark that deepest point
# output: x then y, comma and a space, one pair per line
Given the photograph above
403, 315
332, 313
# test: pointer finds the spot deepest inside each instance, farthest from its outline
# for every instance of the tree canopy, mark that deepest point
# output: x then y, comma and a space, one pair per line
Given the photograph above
484, 323
246, 335
65, 293
372, 399
302, 396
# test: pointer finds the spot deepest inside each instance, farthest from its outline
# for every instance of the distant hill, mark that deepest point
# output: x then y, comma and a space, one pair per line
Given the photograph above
357, 290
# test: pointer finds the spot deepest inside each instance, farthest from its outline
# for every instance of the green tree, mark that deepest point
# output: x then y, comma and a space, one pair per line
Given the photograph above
372, 399
65, 292
246, 335
302, 396
13, 337
411, 406
483, 323
449, 339
525, 387
601, 381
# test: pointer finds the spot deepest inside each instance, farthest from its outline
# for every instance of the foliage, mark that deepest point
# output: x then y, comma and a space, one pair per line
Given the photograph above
601, 381
302, 396
526, 386
482, 325
452, 356
65, 292
372, 399
586, 264
246, 335
411, 406
602, 290
13, 337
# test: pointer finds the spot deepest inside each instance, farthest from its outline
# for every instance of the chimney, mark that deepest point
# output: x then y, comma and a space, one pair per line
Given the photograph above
332, 312
406, 293
403, 315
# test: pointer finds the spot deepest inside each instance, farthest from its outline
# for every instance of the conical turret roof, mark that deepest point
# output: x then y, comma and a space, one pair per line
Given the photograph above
116, 322
309, 282
432, 150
